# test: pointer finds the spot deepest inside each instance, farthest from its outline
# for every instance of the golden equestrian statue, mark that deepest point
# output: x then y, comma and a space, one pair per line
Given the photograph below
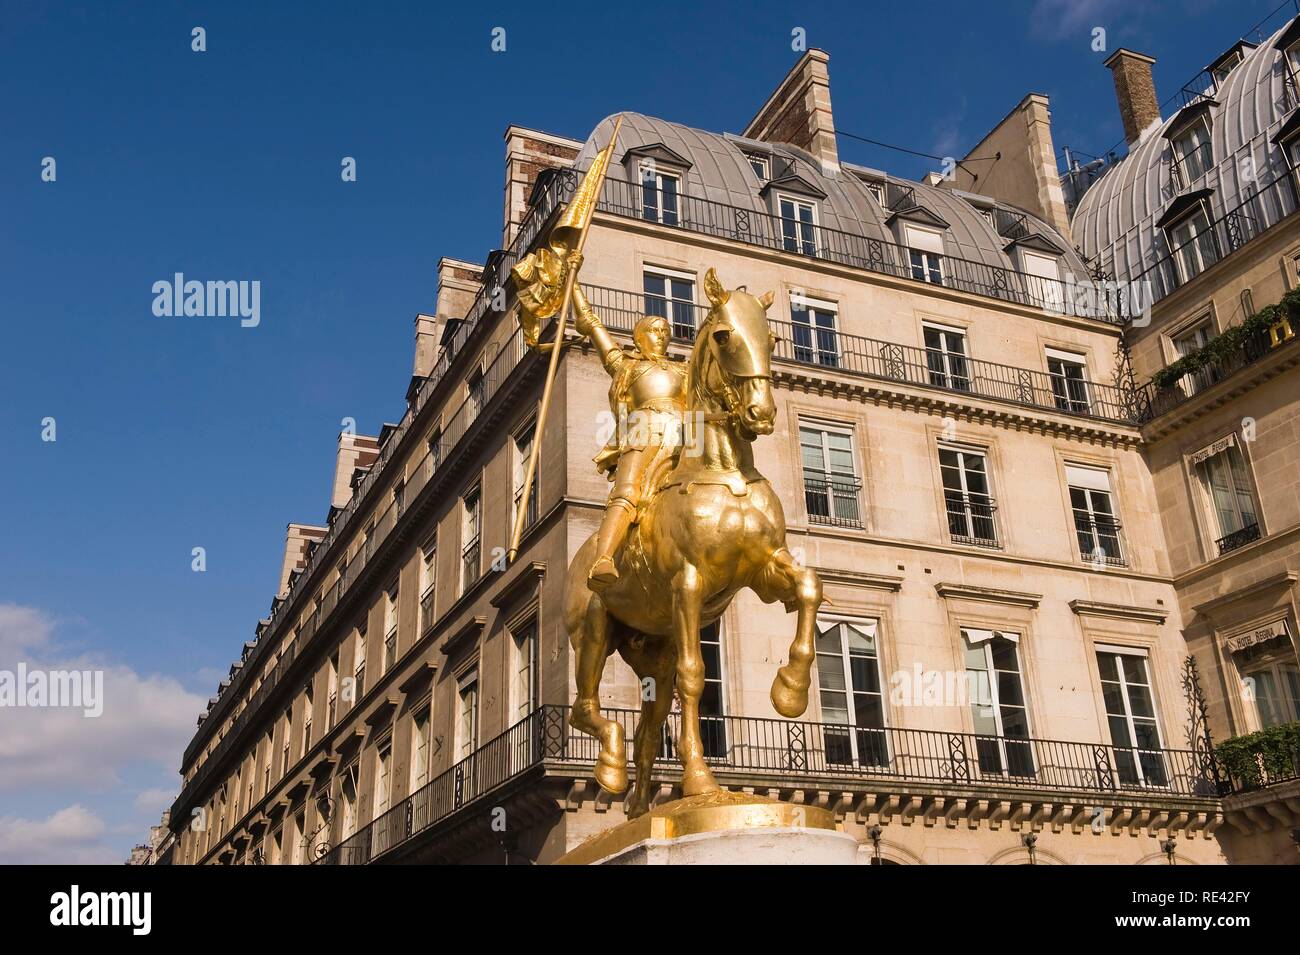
710, 526
683, 532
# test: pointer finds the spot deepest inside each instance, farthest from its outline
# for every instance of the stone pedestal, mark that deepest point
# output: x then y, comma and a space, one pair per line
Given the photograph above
721, 829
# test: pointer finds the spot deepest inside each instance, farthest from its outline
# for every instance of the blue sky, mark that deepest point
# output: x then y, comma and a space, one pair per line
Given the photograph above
174, 433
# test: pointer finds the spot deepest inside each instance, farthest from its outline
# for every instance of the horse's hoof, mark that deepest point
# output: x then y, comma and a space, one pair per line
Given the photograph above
611, 774
788, 699
699, 782
637, 807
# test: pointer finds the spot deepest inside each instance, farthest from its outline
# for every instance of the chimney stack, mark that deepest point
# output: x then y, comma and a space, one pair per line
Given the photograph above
1135, 90
799, 111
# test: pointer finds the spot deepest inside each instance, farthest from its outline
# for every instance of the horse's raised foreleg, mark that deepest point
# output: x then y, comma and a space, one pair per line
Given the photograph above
654, 666
591, 646
799, 588
688, 598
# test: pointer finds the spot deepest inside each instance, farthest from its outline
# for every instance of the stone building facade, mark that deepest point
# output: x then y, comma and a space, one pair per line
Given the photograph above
990, 498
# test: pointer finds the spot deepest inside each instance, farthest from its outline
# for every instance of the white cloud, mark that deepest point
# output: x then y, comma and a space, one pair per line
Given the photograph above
72, 835
145, 719
1059, 19
152, 802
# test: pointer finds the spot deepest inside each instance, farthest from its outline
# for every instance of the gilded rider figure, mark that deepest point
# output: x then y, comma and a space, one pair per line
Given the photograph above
648, 399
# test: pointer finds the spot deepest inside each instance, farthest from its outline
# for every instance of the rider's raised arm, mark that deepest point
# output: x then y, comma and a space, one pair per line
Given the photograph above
589, 324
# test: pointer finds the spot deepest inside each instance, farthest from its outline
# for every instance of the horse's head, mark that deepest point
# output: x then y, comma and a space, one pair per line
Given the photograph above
739, 340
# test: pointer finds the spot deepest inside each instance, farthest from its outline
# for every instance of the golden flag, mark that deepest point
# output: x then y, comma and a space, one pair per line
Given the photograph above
539, 277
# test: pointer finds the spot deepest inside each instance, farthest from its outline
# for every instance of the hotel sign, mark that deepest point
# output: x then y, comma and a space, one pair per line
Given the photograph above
1251, 638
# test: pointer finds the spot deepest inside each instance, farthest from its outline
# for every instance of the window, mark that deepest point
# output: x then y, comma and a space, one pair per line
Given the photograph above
359, 667
1222, 472
1069, 375
813, 325
1131, 713
277, 848
308, 706
830, 477
296, 838
269, 748
849, 690
945, 357
467, 715
1187, 342
798, 225
1273, 681
420, 749
428, 581
1043, 279
523, 449
713, 723
1227, 66
1094, 515
471, 524
435, 447
399, 497
660, 194
348, 790
523, 689
925, 253
332, 691
383, 777
390, 629
877, 190
1193, 245
1192, 154
966, 496
671, 295
760, 166
997, 702
475, 393
284, 741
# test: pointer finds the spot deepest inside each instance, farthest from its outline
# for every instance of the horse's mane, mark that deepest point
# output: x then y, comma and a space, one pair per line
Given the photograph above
697, 395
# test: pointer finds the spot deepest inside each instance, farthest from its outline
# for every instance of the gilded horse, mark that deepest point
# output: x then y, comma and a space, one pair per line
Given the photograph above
714, 526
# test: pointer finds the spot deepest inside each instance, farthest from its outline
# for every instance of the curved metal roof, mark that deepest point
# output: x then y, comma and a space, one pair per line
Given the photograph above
720, 172
1115, 222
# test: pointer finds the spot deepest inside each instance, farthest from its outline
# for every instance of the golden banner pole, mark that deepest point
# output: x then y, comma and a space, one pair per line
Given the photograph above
561, 320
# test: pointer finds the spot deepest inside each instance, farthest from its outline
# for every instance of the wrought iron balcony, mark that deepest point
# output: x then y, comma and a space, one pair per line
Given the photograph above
697, 214
832, 500
1238, 538
889, 361
970, 518
1152, 402
794, 752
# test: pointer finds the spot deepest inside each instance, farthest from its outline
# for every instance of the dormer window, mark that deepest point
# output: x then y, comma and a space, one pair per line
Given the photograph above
660, 192
1192, 244
1224, 67
1192, 153
798, 224
925, 253
761, 165
877, 190
658, 175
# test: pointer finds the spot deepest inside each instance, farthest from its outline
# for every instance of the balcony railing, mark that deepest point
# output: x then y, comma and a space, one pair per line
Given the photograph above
970, 519
909, 364
793, 752
832, 500
752, 227
1238, 538
1264, 207
1258, 760
1100, 540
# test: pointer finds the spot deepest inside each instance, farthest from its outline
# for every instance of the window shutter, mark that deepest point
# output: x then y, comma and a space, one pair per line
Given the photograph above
926, 240
1092, 478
